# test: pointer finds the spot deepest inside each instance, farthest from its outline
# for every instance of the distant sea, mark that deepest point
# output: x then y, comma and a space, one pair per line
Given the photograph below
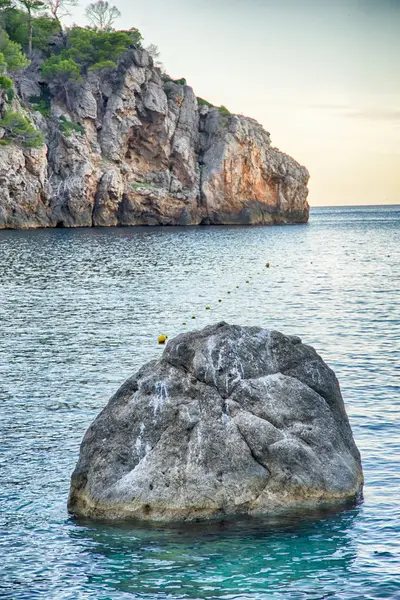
80, 311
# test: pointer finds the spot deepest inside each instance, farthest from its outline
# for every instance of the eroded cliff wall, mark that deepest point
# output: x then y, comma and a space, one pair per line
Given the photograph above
143, 153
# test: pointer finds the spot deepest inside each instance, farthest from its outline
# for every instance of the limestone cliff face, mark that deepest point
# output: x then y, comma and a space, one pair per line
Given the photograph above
144, 153
244, 179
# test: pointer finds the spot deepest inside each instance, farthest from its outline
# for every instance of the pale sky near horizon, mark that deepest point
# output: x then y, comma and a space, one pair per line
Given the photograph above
322, 76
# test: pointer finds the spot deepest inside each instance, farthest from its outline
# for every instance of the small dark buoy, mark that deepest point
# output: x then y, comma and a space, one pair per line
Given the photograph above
267, 265
219, 300
193, 317
208, 308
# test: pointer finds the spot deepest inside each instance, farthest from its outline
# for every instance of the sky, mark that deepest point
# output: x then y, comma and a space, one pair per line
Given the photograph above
322, 76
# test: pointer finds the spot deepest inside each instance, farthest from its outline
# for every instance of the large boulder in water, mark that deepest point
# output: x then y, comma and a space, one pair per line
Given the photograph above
231, 420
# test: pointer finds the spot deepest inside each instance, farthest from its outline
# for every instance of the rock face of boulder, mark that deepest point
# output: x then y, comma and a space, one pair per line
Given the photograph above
134, 148
231, 420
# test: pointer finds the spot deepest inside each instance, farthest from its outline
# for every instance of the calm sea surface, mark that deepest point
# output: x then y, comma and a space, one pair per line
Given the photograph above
80, 311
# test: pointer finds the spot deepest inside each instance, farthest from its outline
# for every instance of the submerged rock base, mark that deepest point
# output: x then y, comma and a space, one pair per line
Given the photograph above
230, 421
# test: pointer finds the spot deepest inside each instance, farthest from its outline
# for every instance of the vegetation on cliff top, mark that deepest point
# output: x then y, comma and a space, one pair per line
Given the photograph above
11, 56
33, 30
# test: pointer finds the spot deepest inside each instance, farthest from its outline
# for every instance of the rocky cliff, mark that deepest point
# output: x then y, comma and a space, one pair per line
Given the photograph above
136, 148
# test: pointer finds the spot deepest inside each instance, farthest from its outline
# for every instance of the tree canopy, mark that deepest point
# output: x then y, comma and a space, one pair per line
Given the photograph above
62, 74
44, 30
5, 5
66, 56
89, 47
12, 56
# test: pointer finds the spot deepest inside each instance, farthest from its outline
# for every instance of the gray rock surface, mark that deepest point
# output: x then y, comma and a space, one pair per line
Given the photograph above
244, 179
231, 420
144, 153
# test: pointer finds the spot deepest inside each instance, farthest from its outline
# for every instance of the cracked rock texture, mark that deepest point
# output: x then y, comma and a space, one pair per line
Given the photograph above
144, 154
231, 420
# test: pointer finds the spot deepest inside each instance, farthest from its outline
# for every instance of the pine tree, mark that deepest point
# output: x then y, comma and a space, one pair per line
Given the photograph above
31, 6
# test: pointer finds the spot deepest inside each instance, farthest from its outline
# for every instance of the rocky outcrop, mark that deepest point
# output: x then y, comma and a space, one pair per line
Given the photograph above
244, 179
231, 420
135, 148
24, 195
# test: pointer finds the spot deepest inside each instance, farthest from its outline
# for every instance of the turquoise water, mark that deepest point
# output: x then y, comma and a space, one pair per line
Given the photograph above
81, 310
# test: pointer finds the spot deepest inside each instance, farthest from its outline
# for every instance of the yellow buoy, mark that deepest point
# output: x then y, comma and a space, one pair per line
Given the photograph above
162, 338
208, 308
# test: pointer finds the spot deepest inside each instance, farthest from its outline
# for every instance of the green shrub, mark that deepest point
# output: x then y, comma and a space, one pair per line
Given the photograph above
14, 57
67, 127
63, 75
19, 129
224, 111
11, 56
6, 83
88, 47
5, 5
104, 64
60, 68
44, 30
202, 102
147, 186
12, 20
41, 103
181, 81
135, 36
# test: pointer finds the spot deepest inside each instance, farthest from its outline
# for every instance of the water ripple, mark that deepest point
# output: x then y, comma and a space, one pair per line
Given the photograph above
80, 310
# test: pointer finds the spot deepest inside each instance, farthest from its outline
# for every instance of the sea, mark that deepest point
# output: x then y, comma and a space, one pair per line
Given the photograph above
81, 310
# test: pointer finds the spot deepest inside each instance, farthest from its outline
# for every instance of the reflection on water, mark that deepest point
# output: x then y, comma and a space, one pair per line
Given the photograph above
80, 311
225, 559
